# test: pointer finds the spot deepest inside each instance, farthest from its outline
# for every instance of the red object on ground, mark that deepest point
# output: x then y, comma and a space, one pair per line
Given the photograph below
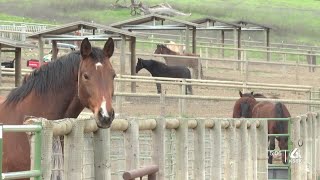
33, 63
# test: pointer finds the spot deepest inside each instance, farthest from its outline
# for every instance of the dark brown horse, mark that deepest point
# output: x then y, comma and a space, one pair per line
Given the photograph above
173, 61
61, 89
248, 107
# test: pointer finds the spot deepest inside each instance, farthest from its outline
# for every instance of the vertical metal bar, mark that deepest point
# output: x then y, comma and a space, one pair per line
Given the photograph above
194, 40
268, 43
37, 153
1, 130
187, 40
133, 62
41, 49
17, 67
290, 142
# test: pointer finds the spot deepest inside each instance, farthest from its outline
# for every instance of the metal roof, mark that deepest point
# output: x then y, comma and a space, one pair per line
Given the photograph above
74, 26
214, 20
9, 43
150, 18
246, 23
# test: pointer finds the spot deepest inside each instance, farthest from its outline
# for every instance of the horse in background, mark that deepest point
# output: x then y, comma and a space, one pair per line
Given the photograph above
175, 47
248, 107
61, 89
159, 69
174, 61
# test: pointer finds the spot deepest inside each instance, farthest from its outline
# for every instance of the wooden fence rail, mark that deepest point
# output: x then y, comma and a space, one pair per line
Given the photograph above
149, 171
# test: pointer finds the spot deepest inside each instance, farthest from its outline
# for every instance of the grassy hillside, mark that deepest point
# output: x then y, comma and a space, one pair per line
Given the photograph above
292, 20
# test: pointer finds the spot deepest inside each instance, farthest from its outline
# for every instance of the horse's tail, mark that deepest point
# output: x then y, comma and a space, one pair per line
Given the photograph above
282, 112
188, 73
279, 110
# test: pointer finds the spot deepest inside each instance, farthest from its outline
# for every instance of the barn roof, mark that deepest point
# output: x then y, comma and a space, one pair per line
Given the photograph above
214, 20
149, 18
9, 43
252, 25
75, 26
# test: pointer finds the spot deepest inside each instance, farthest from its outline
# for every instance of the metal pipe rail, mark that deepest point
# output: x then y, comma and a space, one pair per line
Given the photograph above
215, 98
215, 81
36, 172
200, 83
243, 49
232, 41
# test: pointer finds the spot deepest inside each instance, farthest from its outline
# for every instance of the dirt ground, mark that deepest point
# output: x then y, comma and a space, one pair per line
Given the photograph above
147, 106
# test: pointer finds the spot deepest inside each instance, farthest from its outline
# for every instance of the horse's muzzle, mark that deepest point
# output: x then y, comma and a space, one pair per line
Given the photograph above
104, 120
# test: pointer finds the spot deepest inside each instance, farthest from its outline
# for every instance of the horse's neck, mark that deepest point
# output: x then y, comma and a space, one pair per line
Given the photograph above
50, 106
150, 69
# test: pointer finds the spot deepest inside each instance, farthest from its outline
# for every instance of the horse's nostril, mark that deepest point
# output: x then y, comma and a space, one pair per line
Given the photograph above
112, 114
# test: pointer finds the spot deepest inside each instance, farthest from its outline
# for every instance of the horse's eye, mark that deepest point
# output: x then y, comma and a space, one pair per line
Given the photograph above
85, 76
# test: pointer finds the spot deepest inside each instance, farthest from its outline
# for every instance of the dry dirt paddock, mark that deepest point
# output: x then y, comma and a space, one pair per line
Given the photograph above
147, 106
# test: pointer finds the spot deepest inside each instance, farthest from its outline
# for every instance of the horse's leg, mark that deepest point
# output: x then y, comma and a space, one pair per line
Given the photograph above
196, 72
190, 89
158, 88
272, 146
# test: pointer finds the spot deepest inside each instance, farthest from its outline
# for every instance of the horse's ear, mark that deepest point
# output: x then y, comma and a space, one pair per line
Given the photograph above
252, 93
240, 93
85, 49
108, 48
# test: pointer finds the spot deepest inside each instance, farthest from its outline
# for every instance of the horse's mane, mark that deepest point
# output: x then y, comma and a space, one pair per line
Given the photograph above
255, 95
52, 77
164, 46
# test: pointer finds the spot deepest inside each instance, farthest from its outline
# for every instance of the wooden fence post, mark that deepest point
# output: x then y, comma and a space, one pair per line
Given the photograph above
73, 151
182, 101
216, 159
243, 150
46, 148
262, 150
304, 148
132, 145
102, 160
182, 150
233, 150
158, 139
199, 150
295, 137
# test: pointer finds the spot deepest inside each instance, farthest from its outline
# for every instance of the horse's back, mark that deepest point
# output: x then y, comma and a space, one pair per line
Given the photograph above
264, 109
267, 109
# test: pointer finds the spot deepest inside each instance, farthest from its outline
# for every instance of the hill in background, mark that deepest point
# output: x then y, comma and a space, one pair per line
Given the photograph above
293, 21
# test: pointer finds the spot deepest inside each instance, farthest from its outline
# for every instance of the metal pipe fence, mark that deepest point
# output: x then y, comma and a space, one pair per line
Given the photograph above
36, 171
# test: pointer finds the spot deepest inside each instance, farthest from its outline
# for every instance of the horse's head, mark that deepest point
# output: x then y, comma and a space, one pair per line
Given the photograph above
95, 81
139, 65
243, 106
161, 49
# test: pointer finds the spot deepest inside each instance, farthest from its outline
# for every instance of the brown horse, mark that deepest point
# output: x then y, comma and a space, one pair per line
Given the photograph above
61, 89
248, 107
173, 61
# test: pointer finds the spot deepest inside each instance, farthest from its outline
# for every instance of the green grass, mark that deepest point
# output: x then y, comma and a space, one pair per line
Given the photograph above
6, 17
292, 21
